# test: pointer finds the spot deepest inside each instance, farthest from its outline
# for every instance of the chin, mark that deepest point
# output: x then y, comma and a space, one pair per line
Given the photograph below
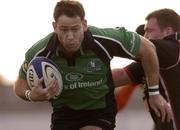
72, 50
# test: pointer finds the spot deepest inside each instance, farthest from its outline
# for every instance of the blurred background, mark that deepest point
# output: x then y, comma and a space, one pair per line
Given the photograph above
16, 114
23, 22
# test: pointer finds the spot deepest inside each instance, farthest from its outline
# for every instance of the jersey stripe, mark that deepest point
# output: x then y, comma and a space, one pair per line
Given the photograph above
118, 42
132, 42
107, 53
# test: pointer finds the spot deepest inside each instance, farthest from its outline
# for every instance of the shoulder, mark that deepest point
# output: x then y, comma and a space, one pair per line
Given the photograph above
108, 32
119, 33
119, 38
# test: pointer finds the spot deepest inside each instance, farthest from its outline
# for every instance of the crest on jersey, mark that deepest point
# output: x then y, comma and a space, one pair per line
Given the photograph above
94, 65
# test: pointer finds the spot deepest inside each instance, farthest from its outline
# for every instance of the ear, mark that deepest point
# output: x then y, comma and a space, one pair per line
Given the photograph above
54, 24
169, 31
85, 27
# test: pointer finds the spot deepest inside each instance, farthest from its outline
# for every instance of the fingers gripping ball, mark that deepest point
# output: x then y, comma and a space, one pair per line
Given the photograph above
43, 67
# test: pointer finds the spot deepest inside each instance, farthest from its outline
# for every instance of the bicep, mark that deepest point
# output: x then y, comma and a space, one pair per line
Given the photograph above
146, 48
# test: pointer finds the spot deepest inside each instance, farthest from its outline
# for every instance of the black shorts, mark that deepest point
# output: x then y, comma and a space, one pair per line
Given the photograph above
68, 119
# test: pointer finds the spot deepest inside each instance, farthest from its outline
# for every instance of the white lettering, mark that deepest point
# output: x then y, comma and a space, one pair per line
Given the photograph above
80, 85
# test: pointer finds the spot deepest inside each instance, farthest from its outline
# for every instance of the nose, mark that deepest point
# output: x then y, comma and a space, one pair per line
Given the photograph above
70, 35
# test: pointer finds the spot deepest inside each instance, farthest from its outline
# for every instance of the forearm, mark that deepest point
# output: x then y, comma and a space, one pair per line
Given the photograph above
151, 70
37, 93
20, 87
149, 62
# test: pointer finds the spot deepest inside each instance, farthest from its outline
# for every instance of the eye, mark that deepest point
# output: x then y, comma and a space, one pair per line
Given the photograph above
75, 29
63, 29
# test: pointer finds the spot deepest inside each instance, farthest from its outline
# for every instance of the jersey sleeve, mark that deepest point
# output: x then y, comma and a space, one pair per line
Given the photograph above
119, 40
129, 40
23, 70
28, 57
36, 48
24, 67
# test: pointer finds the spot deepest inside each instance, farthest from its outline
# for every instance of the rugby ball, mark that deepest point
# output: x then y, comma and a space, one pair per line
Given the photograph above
43, 67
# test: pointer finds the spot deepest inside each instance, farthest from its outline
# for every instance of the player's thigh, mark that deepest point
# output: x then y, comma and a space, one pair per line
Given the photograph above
91, 128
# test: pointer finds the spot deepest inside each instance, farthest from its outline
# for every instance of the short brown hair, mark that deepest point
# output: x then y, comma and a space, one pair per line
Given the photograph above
166, 17
70, 8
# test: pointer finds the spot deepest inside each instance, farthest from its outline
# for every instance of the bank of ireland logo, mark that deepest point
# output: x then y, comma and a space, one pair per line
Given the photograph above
94, 65
73, 76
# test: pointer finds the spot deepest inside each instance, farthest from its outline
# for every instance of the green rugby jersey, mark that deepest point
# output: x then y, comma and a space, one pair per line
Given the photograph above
87, 79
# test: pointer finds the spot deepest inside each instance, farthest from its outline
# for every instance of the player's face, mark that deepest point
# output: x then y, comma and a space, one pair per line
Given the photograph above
153, 31
70, 31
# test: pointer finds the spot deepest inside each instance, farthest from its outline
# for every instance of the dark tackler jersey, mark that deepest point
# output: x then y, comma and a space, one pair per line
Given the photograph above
168, 51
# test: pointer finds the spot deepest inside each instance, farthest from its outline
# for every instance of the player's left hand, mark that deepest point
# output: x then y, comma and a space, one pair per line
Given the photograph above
161, 107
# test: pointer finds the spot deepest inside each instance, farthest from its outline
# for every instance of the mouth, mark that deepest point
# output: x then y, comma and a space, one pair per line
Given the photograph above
72, 47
